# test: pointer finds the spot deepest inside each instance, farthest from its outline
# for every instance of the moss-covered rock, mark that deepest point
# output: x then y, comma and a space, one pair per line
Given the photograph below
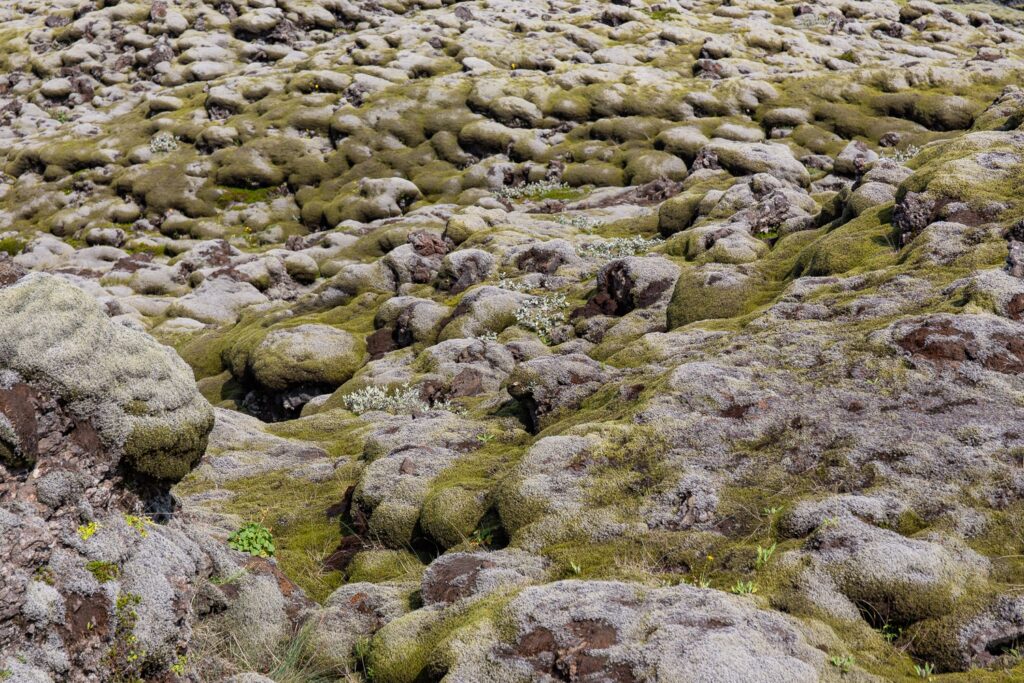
140, 396
711, 291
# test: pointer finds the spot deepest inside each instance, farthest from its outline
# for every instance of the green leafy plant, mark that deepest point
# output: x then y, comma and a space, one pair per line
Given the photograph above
576, 568
179, 666
842, 662
399, 400
484, 535
45, 575
104, 571
703, 580
924, 671
361, 654
125, 658
139, 524
891, 633
764, 555
618, 247
544, 189
87, 531
744, 588
163, 142
828, 523
254, 539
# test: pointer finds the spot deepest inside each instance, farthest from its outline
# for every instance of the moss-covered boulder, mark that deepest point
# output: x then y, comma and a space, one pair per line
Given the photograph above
969, 180
306, 354
711, 291
139, 396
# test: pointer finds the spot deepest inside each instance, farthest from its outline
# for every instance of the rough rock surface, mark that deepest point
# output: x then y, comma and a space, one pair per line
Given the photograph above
646, 340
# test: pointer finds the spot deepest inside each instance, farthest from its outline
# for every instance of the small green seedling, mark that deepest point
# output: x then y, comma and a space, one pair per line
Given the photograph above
764, 555
844, 662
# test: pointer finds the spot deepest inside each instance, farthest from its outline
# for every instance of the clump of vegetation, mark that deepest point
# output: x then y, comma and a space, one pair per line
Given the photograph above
254, 539
163, 142
124, 659
104, 571
542, 314
544, 189
579, 221
180, 666
744, 588
139, 524
618, 247
87, 531
45, 575
512, 285
842, 662
397, 401
12, 245
764, 555
903, 155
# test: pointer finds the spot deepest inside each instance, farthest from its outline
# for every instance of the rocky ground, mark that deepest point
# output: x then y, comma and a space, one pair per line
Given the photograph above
599, 342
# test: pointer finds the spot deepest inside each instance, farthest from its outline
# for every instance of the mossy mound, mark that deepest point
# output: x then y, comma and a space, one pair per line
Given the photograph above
139, 395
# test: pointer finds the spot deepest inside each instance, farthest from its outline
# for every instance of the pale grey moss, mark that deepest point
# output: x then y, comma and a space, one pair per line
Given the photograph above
140, 396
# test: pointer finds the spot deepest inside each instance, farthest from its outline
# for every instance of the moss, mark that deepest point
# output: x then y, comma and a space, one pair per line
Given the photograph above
594, 173
627, 467
167, 451
104, 572
679, 212
378, 566
701, 294
338, 432
934, 111
849, 121
867, 242
294, 510
241, 195
423, 644
12, 245
451, 514
952, 171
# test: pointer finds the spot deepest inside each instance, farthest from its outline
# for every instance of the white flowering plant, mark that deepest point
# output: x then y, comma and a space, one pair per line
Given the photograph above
542, 314
163, 142
618, 247
399, 400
